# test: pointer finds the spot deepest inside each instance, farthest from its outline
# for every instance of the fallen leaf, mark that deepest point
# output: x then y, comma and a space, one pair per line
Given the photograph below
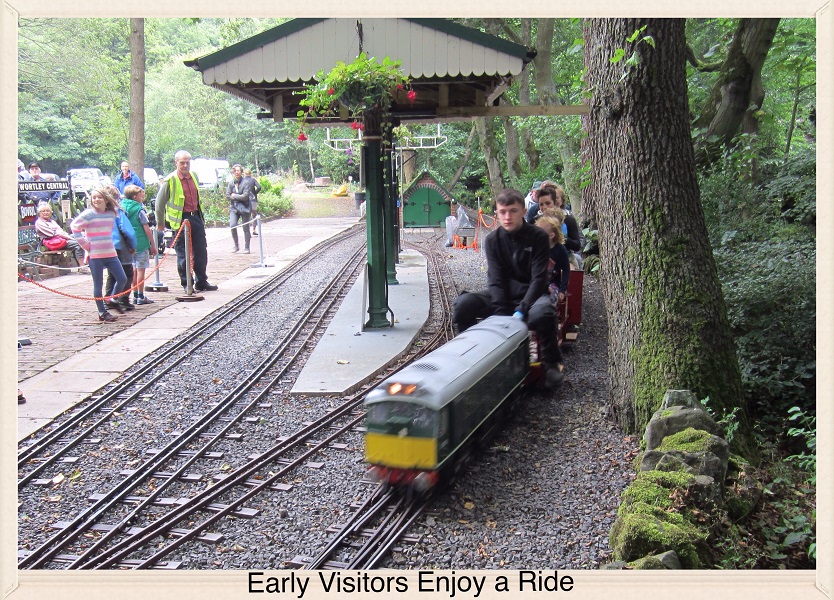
58, 479
468, 505
342, 361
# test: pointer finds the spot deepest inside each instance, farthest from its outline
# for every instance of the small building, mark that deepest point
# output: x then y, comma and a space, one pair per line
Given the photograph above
426, 203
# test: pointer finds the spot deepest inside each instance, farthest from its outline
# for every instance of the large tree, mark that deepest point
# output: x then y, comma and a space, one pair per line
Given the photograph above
667, 319
136, 139
737, 94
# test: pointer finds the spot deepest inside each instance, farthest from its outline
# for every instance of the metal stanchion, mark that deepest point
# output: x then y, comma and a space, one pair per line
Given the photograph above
156, 286
190, 296
262, 261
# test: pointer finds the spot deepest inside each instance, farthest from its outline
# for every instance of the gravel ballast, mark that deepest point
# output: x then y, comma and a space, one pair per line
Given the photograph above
543, 497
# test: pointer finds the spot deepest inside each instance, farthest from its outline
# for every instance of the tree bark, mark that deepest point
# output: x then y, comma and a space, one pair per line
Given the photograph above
528, 143
668, 326
409, 166
465, 159
738, 92
486, 135
136, 137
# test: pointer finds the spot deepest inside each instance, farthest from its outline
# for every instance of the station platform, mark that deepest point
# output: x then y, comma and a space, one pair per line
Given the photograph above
345, 358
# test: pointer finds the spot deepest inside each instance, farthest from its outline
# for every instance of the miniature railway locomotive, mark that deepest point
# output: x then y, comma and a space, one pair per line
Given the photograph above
422, 419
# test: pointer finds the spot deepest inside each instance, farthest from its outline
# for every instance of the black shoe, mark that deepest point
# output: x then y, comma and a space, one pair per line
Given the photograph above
117, 306
107, 317
205, 287
128, 306
553, 377
21, 399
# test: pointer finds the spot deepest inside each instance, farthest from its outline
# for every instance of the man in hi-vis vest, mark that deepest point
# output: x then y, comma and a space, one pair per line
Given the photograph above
178, 200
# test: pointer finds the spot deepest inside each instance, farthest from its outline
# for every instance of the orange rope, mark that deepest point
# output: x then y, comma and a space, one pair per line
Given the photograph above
107, 298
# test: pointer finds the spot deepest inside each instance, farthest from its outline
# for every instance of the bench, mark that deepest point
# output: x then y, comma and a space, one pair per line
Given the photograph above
29, 249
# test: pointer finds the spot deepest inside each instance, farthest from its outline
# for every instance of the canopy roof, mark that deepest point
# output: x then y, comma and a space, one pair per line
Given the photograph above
452, 67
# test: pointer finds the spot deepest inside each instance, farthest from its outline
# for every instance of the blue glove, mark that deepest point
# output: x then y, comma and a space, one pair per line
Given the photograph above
518, 315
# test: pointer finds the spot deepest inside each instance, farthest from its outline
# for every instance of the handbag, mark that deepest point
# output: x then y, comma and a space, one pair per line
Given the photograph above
241, 207
56, 242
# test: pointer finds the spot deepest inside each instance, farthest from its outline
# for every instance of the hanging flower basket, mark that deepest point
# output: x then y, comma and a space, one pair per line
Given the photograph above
365, 87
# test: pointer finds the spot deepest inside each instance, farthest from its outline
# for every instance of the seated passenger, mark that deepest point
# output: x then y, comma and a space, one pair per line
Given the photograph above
573, 238
517, 255
46, 227
560, 263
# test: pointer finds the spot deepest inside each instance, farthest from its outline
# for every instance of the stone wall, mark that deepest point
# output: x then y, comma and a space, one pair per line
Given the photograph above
687, 482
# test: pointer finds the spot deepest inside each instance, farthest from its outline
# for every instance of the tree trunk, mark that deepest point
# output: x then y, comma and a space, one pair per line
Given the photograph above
465, 159
409, 166
738, 92
528, 143
513, 150
136, 137
486, 134
668, 326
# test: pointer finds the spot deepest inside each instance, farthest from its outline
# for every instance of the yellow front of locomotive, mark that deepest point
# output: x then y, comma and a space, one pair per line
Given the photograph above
404, 437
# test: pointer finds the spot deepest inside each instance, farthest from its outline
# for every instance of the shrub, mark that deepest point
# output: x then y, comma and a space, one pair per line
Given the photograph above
272, 204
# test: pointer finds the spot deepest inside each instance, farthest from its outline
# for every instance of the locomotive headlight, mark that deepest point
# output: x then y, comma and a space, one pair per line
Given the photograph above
395, 388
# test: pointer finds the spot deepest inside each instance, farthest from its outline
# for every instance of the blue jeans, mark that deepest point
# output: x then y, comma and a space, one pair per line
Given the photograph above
114, 267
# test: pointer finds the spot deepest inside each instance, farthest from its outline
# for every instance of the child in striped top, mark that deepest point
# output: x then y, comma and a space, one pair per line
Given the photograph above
94, 229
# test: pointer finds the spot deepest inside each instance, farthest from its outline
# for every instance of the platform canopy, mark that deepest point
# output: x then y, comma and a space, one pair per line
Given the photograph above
457, 71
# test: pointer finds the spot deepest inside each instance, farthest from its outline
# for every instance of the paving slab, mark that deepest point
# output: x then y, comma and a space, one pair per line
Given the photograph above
348, 356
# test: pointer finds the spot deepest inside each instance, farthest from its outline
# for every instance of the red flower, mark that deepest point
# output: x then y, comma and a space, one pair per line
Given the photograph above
302, 137
411, 95
400, 86
356, 125
331, 91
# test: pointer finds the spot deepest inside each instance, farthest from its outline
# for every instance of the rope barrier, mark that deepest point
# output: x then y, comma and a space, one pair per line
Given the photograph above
149, 271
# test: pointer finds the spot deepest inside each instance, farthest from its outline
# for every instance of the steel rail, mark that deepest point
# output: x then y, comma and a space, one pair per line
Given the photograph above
233, 398
92, 514
226, 312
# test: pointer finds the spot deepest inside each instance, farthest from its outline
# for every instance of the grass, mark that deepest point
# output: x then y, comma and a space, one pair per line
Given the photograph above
319, 204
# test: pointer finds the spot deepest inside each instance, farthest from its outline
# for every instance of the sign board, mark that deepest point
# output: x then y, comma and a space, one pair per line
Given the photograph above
62, 185
28, 212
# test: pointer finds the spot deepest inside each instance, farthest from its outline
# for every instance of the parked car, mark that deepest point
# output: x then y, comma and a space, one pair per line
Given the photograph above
86, 179
150, 176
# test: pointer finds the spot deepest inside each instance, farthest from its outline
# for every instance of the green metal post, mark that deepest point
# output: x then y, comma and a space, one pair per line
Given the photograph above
391, 245
375, 224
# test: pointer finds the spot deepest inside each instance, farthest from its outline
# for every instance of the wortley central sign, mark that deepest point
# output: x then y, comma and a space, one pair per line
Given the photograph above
62, 185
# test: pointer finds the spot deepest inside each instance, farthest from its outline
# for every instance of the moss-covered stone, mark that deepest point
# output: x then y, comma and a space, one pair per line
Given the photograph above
653, 487
647, 563
694, 440
636, 535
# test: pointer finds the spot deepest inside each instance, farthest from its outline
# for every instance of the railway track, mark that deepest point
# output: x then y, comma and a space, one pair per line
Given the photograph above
130, 528
43, 449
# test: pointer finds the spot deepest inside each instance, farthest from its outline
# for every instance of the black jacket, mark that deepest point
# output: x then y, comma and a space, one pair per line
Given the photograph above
517, 273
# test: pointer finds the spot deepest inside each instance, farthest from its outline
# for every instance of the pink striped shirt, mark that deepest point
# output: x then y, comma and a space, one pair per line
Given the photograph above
98, 232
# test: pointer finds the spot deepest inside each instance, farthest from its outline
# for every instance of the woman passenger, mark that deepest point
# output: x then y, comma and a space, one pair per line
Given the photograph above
94, 229
46, 227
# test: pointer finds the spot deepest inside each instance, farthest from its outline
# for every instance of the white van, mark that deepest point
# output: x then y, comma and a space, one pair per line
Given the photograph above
209, 171
150, 176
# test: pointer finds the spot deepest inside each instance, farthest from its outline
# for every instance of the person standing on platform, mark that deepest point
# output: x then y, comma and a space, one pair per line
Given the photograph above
178, 200
133, 205
125, 178
95, 228
239, 195
124, 240
517, 255
253, 201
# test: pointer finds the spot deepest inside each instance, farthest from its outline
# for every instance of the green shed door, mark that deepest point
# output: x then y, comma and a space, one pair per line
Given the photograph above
425, 207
